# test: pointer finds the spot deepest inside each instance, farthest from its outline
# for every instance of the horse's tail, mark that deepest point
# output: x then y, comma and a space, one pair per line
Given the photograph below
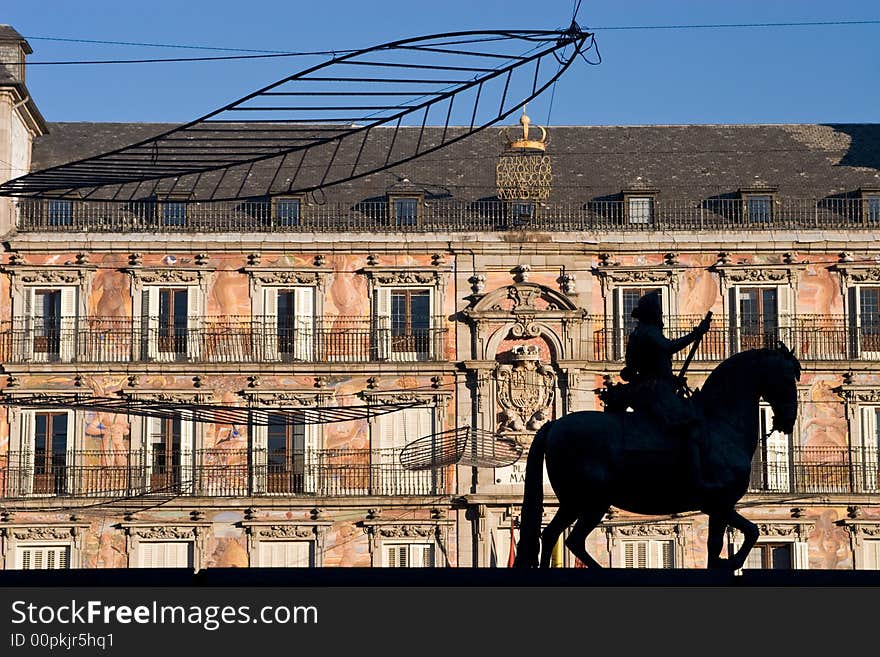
533, 503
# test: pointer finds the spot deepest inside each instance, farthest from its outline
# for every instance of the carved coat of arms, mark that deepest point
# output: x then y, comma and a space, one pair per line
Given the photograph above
525, 391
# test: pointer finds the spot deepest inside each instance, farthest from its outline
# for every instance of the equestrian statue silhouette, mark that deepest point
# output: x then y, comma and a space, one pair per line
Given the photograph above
658, 448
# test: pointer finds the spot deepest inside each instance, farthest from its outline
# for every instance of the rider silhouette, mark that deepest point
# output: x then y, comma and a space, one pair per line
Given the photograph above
655, 387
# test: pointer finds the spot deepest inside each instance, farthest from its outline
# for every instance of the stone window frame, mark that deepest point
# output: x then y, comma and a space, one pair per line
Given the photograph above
69, 534
856, 398
859, 530
143, 278
27, 278
302, 398
755, 191
430, 277
194, 532
796, 532
313, 531
636, 193
382, 533
283, 278
852, 277
139, 425
784, 277
619, 533
75, 431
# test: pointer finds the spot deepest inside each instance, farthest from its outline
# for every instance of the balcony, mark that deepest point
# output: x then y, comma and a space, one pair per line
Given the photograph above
216, 473
221, 340
452, 216
817, 470
812, 337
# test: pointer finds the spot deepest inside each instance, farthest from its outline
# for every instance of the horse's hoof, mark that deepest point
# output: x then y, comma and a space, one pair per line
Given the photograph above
719, 564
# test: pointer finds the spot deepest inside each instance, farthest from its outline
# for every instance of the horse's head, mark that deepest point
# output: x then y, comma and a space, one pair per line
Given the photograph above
779, 387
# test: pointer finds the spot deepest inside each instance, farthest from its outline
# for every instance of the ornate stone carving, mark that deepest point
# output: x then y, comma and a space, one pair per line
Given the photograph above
870, 274
478, 283
406, 531
161, 532
171, 276
303, 398
41, 533
521, 273
779, 530
523, 297
288, 277
757, 275
568, 284
406, 277
525, 392
51, 277
253, 259
645, 530
284, 531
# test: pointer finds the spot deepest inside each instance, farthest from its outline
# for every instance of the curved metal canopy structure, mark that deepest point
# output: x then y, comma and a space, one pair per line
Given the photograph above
327, 124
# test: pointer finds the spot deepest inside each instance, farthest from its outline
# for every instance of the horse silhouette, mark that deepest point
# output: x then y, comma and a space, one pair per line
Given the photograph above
599, 459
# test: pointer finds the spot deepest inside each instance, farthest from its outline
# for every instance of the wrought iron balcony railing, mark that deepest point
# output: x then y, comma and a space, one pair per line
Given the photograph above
816, 470
813, 337
221, 340
215, 473
449, 215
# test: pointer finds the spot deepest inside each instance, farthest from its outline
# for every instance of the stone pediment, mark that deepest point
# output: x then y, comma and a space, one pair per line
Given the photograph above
518, 298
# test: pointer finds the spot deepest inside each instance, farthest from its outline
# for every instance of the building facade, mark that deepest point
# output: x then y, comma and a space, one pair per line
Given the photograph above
488, 287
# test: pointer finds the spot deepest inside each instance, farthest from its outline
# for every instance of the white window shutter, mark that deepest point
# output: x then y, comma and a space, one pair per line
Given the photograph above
285, 554
304, 307
270, 323
869, 448
801, 560
24, 482
311, 445
152, 434
382, 322
187, 455
397, 556
618, 339
194, 310
28, 324
735, 329
165, 554
42, 557
665, 554
870, 554
150, 321
67, 339
259, 441
784, 315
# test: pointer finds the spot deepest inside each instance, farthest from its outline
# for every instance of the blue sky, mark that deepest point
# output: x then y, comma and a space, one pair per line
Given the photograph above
756, 75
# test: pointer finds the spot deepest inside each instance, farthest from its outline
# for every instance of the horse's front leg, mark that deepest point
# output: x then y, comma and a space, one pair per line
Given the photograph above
715, 543
750, 537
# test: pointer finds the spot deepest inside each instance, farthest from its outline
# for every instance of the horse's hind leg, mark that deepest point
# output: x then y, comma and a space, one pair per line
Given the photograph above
715, 542
577, 538
563, 518
750, 537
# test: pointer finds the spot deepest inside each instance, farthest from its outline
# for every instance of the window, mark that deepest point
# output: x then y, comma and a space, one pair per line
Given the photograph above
405, 211
759, 208
395, 431
169, 319
758, 311
169, 454
46, 457
872, 207
866, 458
402, 324
59, 212
289, 323
50, 453
640, 210
173, 213
286, 456
771, 462
51, 324
771, 556
285, 554
287, 211
165, 554
522, 210
648, 554
870, 554
409, 555
42, 557
866, 320
626, 299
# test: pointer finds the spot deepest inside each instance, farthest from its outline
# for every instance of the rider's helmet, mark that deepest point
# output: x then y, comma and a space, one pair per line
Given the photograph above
649, 309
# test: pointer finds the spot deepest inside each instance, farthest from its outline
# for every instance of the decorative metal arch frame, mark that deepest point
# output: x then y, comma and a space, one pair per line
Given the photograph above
325, 125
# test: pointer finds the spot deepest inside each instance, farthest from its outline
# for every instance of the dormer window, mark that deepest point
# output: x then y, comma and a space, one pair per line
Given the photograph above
286, 211
758, 204
522, 210
638, 205
871, 204
59, 212
405, 210
173, 213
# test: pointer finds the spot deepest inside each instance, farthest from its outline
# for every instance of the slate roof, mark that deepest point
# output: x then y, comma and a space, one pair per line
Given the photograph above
589, 162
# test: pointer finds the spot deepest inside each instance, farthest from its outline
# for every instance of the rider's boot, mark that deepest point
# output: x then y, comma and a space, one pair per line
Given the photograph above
693, 436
